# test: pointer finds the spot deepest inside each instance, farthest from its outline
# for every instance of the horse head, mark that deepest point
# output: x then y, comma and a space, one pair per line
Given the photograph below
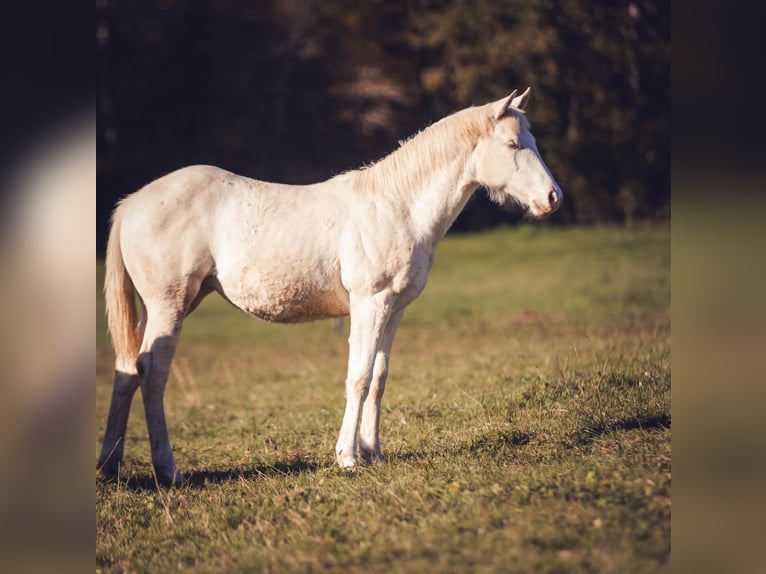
508, 163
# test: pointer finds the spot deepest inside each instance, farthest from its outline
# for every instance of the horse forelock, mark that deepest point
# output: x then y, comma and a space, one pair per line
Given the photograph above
428, 150
519, 117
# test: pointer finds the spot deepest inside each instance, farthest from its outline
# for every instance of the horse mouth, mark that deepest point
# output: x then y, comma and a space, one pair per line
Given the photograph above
537, 209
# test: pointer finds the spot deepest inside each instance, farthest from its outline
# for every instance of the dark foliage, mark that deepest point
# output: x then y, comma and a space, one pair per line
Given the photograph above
296, 91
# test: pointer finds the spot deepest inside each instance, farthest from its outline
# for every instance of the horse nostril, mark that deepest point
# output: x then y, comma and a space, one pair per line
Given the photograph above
553, 198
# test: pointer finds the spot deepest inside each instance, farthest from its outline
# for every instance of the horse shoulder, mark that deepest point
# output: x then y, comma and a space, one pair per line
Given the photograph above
381, 253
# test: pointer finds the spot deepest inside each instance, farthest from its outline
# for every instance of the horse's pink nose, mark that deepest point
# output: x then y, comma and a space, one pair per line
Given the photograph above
554, 200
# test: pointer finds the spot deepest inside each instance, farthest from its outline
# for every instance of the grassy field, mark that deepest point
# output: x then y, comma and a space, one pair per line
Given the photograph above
526, 425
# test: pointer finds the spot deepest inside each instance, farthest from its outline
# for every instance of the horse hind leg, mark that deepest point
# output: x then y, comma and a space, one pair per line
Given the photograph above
203, 292
123, 389
125, 385
163, 328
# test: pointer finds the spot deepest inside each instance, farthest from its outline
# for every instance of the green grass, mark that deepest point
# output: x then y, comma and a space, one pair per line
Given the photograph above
526, 424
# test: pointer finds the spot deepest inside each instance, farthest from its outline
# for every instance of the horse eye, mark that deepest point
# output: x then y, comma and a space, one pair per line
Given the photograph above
513, 145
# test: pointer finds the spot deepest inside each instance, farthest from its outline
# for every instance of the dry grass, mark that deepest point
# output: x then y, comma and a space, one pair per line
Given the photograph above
526, 425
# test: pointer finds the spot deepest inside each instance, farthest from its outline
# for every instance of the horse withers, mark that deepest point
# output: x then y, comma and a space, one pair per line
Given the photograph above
359, 244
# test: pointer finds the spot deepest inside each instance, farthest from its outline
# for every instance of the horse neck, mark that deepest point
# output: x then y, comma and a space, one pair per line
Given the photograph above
436, 203
431, 173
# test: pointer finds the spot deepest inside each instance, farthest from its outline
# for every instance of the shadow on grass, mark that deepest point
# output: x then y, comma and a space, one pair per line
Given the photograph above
590, 433
203, 478
491, 443
498, 441
282, 468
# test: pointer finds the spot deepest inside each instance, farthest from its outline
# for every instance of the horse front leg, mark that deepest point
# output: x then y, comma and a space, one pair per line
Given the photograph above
369, 318
369, 433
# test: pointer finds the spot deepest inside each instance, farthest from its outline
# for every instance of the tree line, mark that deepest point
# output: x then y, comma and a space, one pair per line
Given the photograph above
299, 90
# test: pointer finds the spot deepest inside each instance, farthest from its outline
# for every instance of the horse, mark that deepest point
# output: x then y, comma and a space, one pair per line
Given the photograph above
360, 243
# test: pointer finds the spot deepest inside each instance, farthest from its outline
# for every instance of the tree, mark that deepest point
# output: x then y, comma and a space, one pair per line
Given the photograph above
297, 91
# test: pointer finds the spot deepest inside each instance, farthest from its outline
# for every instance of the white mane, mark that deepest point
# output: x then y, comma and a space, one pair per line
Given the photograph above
427, 151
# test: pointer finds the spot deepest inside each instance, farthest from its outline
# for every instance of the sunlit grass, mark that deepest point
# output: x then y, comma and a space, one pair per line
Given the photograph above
526, 424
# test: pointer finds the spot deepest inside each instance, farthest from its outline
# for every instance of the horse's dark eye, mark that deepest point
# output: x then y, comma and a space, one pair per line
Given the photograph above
513, 145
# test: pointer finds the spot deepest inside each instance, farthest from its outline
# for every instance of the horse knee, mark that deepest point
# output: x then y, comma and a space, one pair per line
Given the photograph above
380, 375
125, 384
149, 378
358, 386
383, 371
144, 366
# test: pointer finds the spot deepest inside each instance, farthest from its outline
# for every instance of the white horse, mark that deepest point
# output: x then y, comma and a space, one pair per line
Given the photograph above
361, 243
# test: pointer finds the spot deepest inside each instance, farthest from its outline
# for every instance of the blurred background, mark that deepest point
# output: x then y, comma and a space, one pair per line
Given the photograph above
296, 91
290, 91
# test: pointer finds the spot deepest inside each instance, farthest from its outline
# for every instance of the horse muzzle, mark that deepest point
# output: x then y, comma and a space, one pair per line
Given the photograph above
545, 208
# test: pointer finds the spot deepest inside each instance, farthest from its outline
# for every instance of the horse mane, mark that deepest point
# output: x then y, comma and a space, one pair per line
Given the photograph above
425, 152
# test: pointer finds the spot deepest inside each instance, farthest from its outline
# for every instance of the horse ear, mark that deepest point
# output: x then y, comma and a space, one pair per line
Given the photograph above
520, 102
500, 106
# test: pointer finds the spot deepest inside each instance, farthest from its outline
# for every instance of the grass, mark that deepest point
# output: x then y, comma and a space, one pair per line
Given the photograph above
527, 426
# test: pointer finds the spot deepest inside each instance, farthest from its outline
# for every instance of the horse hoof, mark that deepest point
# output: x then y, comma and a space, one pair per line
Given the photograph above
373, 458
345, 460
109, 470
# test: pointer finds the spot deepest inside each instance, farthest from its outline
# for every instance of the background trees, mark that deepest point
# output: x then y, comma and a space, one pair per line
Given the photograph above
298, 90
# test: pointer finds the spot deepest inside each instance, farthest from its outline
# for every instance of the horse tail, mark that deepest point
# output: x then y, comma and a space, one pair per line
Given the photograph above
119, 294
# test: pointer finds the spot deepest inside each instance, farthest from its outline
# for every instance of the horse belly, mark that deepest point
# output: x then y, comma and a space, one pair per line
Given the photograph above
291, 300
